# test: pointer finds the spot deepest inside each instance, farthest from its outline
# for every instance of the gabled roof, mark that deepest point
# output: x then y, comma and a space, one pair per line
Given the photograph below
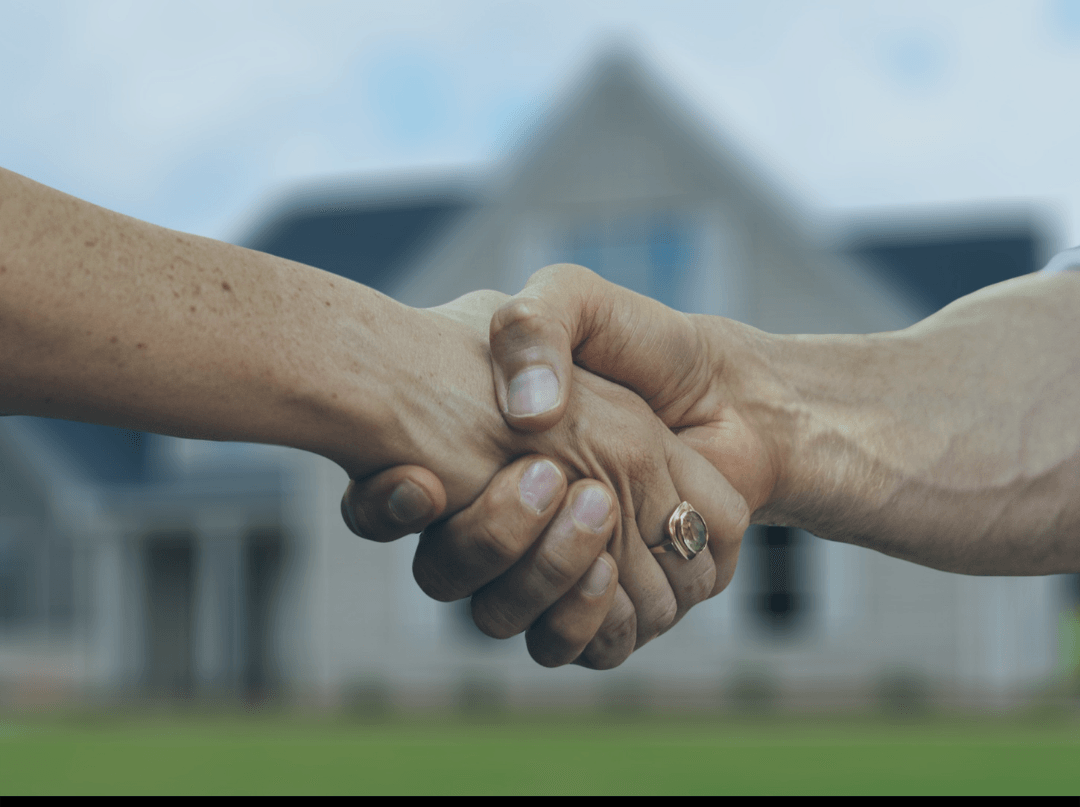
620, 102
940, 256
624, 144
362, 230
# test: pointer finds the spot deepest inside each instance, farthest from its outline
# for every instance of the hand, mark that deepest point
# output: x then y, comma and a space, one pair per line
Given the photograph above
609, 434
693, 371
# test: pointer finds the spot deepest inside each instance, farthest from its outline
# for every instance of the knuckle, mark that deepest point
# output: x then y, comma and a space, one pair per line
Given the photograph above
554, 570
605, 656
523, 317
661, 616
567, 629
523, 310
699, 587
494, 545
493, 619
612, 645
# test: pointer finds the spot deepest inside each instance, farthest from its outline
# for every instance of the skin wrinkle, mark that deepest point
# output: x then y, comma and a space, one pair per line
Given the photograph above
606, 651
659, 607
701, 377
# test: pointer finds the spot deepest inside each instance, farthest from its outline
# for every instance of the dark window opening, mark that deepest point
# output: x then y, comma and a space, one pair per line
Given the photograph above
170, 589
778, 561
264, 564
650, 254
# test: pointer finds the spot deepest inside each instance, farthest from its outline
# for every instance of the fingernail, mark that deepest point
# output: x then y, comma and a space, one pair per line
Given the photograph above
591, 508
409, 503
539, 484
532, 391
597, 579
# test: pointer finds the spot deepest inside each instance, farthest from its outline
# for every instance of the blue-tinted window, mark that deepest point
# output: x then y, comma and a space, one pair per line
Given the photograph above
650, 254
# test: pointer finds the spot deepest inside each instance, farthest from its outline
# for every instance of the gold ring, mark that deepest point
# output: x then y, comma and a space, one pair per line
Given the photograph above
687, 531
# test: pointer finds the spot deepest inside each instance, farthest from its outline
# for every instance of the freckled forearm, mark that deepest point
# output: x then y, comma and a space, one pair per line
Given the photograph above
112, 320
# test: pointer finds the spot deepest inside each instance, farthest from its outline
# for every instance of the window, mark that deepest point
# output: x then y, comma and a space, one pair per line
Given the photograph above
651, 254
264, 568
779, 572
169, 569
692, 259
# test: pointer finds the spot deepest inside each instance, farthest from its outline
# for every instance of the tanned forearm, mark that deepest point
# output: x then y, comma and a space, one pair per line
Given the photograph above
112, 320
954, 443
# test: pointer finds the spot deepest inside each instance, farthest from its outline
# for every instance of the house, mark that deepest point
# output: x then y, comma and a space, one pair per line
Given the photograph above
221, 568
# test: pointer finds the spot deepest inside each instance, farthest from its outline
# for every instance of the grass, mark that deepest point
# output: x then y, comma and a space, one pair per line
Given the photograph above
600, 754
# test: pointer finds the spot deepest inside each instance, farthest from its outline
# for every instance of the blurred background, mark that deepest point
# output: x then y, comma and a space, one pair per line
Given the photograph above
838, 166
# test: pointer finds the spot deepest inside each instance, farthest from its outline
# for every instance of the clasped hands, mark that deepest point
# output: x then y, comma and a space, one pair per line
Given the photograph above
616, 409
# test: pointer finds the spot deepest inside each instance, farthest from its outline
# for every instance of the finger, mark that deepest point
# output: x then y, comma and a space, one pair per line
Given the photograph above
616, 638
561, 633
726, 517
664, 587
399, 501
531, 360
566, 550
567, 314
645, 581
533, 337
456, 557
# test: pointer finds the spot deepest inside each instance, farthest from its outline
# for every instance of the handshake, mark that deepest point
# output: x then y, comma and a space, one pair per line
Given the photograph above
599, 487
571, 498
612, 494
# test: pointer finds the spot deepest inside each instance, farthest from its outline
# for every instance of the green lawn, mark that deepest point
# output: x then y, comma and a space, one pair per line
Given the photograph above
529, 754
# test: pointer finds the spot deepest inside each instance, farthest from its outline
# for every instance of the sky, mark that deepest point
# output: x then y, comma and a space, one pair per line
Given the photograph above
196, 115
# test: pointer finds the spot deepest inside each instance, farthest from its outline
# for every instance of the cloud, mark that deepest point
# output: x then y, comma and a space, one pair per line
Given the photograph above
189, 113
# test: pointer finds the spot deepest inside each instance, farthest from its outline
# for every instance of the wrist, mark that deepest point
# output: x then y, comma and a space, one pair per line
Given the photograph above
397, 385
746, 402
788, 440
348, 394
828, 409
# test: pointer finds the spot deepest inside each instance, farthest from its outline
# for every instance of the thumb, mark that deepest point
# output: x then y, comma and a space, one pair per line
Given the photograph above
567, 314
